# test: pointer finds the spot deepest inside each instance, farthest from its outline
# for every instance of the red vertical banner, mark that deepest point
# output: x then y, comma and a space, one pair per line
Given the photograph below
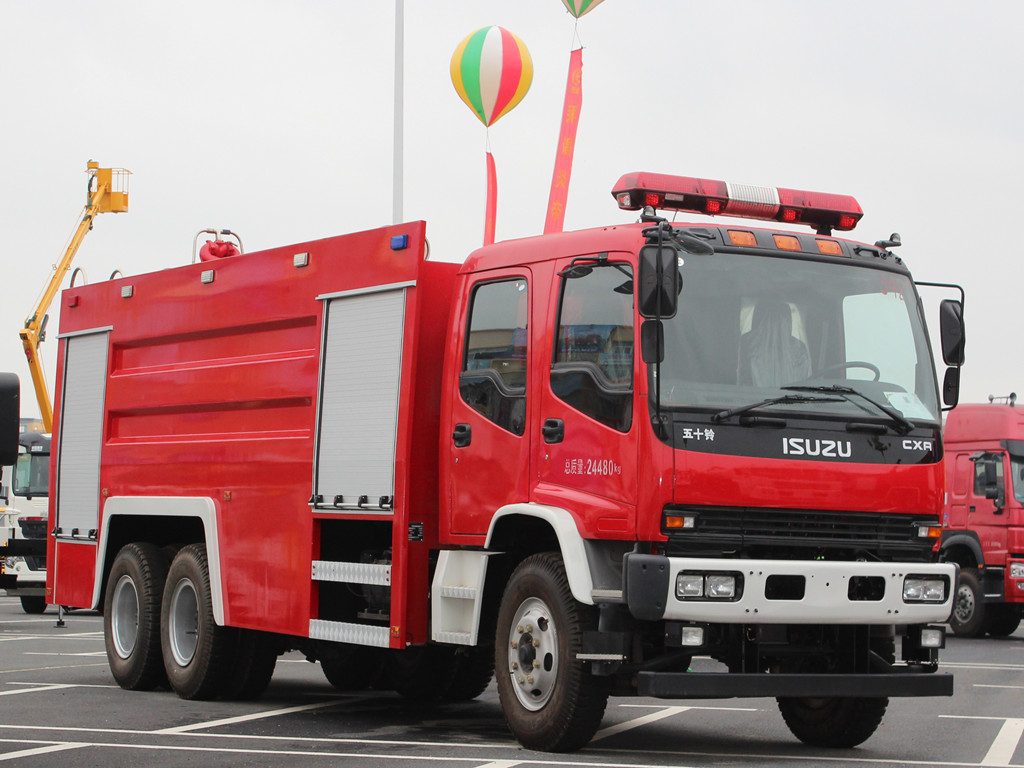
555, 219
491, 212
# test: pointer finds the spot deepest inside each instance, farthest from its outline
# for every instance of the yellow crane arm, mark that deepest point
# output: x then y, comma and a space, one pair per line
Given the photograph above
101, 197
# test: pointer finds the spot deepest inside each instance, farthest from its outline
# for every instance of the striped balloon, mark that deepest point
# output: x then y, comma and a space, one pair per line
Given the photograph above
581, 7
492, 71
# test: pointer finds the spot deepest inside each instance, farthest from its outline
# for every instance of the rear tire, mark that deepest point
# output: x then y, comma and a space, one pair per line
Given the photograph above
196, 650
353, 667
424, 673
33, 604
131, 616
550, 699
968, 616
835, 722
253, 661
474, 670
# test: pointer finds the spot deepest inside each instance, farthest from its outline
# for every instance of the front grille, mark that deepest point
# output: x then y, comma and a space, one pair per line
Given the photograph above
799, 534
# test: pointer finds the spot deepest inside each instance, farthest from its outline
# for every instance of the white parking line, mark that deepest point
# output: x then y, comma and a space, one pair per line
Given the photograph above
246, 718
41, 688
1015, 687
1002, 749
1006, 741
58, 653
653, 717
40, 750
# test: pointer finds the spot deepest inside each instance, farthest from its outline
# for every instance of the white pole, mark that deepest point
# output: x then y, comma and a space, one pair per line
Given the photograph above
399, 98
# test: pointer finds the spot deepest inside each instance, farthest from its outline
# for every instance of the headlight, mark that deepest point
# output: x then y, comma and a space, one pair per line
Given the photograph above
924, 590
689, 585
709, 586
692, 636
933, 637
1017, 570
721, 586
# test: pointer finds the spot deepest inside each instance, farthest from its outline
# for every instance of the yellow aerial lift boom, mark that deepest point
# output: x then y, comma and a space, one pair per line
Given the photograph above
107, 192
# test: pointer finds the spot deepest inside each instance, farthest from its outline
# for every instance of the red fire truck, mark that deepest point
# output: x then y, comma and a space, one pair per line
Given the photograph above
983, 523
656, 459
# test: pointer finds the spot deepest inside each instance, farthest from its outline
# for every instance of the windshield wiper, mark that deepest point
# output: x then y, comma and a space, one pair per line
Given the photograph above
723, 415
902, 425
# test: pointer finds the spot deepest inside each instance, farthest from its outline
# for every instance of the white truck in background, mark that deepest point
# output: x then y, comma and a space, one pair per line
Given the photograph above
25, 494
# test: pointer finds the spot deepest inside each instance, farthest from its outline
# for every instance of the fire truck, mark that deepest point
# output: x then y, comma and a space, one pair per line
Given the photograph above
983, 522
659, 459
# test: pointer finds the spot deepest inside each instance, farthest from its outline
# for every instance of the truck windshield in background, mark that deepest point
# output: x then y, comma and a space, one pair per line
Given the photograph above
32, 475
1017, 477
750, 325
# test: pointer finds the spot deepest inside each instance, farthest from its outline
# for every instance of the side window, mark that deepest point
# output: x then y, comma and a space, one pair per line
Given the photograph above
593, 366
493, 377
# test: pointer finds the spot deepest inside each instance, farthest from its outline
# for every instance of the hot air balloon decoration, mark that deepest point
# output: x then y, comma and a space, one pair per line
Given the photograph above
580, 7
491, 71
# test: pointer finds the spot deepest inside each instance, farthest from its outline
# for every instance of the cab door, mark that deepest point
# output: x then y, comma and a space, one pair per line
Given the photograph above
987, 516
585, 430
488, 456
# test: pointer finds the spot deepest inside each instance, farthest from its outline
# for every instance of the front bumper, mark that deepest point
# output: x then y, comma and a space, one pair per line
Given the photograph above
812, 592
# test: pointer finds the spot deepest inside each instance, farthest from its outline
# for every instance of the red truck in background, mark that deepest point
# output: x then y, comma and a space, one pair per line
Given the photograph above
576, 462
983, 523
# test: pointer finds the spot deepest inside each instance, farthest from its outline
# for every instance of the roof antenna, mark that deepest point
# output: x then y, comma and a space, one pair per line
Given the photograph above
1009, 399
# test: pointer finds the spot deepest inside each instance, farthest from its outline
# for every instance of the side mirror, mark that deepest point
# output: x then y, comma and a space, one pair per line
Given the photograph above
951, 387
660, 281
10, 418
991, 478
652, 341
951, 330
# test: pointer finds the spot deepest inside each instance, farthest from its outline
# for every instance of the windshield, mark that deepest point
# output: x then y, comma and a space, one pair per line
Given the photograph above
32, 475
748, 326
1017, 478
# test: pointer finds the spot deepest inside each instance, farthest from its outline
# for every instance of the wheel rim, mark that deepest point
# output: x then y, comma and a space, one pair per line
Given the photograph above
533, 654
964, 604
183, 628
124, 618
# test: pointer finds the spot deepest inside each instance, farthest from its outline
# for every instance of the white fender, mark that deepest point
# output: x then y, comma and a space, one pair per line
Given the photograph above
574, 554
201, 507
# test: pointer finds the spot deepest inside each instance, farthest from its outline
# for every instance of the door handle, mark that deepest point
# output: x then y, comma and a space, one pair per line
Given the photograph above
553, 430
463, 435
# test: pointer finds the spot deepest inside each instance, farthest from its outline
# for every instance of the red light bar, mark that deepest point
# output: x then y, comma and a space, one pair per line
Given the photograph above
819, 210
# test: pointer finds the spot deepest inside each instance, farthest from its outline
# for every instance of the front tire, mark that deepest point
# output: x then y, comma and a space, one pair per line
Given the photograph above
131, 616
1003, 620
550, 700
195, 649
968, 616
33, 604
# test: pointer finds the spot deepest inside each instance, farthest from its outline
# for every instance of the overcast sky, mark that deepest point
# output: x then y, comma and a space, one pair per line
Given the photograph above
274, 119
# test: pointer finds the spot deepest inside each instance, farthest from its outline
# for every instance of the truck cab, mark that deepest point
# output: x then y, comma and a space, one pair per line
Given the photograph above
24, 563
983, 520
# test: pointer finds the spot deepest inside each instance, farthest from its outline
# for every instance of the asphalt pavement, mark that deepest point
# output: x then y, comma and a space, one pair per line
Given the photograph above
61, 707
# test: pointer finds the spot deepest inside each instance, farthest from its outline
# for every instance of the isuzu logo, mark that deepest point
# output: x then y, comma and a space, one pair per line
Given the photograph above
806, 446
